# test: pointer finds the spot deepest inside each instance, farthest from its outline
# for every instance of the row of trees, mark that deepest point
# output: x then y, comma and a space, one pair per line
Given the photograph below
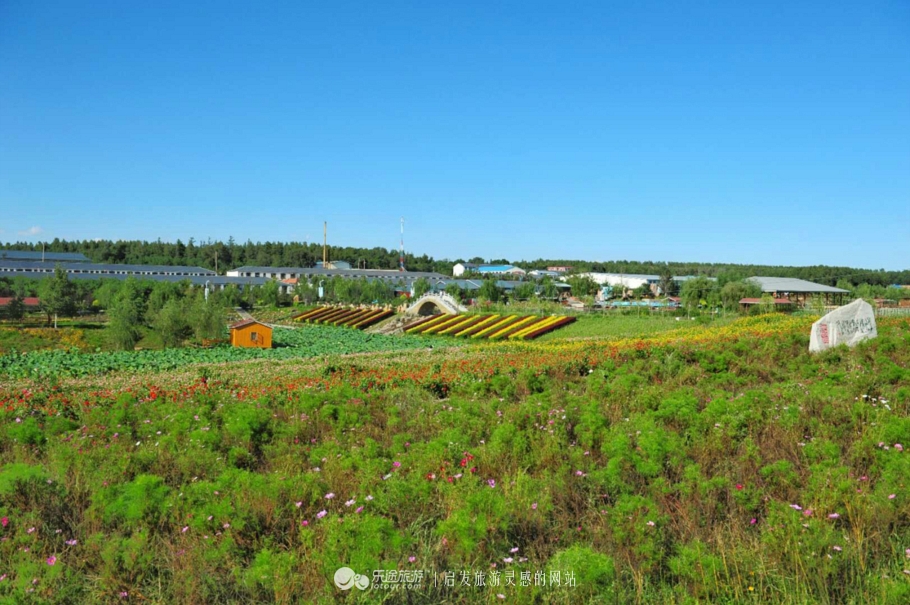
229, 254
225, 255
173, 311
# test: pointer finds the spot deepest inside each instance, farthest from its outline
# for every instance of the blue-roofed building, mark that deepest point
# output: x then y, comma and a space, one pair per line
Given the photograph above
461, 268
499, 270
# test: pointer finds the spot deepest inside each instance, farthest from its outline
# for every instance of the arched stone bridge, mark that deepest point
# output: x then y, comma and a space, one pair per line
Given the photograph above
433, 303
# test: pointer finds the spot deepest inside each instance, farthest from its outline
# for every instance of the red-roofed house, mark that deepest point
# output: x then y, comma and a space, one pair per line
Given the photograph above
30, 302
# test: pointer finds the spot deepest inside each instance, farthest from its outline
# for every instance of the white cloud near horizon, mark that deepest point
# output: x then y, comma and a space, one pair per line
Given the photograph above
31, 231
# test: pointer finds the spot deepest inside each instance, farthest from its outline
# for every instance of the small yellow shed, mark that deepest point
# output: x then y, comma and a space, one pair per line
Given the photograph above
251, 333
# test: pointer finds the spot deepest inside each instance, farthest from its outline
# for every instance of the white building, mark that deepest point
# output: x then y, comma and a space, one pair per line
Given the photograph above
630, 281
461, 268
633, 281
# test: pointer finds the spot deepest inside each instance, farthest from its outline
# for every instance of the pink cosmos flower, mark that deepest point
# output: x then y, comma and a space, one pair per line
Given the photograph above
514, 550
651, 523
834, 516
298, 504
508, 559
304, 523
52, 560
72, 542
412, 559
837, 548
396, 464
359, 509
491, 482
501, 596
329, 496
753, 521
30, 530
321, 514
350, 502
892, 496
899, 447
4, 521
796, 507
534, 506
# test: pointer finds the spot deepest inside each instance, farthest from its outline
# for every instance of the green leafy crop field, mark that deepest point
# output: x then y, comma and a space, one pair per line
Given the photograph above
306, 341
718, 464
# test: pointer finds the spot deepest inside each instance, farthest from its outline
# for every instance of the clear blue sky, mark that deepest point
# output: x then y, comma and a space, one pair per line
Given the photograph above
765, 132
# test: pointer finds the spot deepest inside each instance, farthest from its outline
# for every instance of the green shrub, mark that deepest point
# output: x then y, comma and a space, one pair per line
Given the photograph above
140, 500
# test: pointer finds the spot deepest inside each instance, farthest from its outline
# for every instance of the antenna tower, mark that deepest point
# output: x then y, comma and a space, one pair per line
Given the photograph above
401, 248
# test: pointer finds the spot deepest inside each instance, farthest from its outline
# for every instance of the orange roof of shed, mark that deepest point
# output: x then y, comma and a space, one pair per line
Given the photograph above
247, 322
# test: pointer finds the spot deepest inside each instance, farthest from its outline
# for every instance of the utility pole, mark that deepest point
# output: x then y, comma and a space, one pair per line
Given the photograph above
325, 228
401, 248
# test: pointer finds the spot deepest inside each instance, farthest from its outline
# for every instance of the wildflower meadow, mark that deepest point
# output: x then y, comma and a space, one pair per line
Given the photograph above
705, 464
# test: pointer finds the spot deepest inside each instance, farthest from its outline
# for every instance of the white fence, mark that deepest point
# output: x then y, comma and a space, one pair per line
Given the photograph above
893, 312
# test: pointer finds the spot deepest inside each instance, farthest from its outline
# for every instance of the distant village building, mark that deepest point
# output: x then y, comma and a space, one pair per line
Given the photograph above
623, 282
250, 333
798, 291
460, 269
35, 269
290, 277
544, 273
38, 255
560, 269
29, 302
500, 270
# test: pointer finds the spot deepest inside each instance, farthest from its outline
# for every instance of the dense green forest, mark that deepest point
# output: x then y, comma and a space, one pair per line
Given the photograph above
231, 254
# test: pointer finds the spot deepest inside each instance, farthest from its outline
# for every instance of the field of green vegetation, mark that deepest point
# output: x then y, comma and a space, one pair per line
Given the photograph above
289, 343
615, 325
718, 464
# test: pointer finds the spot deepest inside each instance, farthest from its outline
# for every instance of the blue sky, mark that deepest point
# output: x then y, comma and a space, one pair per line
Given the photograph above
701, 131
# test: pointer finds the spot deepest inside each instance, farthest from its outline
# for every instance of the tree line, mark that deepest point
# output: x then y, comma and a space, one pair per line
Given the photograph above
230, 254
